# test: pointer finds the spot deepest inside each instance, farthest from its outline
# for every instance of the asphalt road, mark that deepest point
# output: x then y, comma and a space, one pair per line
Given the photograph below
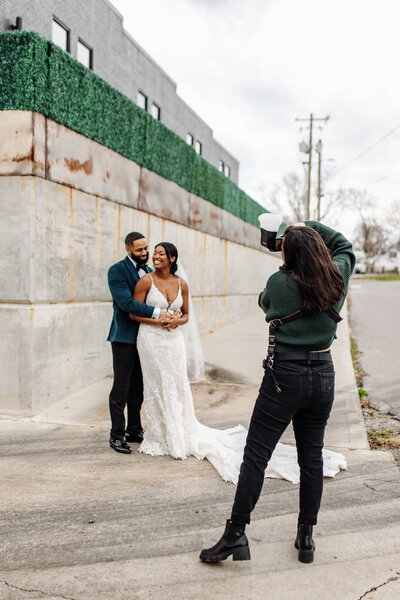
375, 325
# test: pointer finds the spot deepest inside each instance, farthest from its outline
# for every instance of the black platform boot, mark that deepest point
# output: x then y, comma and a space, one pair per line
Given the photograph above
304, 543
234, 541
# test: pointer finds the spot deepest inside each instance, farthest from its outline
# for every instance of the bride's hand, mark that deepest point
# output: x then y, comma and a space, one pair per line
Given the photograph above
173, 322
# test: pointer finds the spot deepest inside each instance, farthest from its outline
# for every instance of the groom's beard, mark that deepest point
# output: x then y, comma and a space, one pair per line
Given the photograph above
140, 261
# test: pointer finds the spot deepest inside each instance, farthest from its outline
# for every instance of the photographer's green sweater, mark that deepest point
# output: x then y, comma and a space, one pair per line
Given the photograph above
281, 297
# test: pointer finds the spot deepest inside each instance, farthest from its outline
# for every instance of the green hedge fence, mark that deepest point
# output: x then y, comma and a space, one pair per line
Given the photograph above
37, 75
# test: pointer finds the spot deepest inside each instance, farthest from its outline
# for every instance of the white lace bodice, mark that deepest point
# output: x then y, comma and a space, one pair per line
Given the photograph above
156, 298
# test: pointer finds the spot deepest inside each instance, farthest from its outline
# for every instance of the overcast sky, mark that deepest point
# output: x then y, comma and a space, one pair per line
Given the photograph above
250, 67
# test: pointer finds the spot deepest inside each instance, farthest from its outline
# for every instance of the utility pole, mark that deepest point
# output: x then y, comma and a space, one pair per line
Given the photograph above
318, 149
312, 119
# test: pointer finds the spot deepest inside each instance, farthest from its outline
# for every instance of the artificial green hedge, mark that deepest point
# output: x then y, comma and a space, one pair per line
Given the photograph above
37, 75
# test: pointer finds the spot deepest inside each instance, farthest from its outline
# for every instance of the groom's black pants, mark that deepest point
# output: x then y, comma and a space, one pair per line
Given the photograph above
127, 390
306, 399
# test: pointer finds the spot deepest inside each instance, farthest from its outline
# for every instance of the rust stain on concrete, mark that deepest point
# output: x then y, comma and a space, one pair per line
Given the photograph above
71, 205
143, 188
30, 156
108, 175
167, 214
39, 166
119, 230
57, 129
75, 165
96, 221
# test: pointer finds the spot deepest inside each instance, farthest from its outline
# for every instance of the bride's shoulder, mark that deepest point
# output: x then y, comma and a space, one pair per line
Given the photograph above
184, 284
145, 282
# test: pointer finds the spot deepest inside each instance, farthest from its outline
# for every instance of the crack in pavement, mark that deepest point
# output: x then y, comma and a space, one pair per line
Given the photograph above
370, 487
373, 589
15, 587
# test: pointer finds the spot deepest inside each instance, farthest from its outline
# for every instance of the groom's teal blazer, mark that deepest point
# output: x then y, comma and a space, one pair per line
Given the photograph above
122, 278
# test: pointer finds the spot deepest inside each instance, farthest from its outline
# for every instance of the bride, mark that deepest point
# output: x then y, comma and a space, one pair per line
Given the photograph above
171, 425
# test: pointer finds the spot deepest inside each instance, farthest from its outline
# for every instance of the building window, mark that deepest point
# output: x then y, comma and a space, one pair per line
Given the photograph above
142, 100
221, 166
156, 111
85, 54
189, 139
198, 147
227, 170
60, 35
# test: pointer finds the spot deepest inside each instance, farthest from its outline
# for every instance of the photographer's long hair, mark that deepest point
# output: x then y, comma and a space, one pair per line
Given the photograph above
308, 262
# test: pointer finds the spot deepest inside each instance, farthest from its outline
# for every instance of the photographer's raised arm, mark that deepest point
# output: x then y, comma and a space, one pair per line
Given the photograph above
340, 248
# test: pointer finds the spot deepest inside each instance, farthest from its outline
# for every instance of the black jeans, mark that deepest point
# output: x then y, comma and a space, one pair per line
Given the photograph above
127, 390
306, 399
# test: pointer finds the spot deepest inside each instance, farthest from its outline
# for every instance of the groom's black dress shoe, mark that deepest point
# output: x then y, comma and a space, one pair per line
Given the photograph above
120, 446
234, 541
135, 437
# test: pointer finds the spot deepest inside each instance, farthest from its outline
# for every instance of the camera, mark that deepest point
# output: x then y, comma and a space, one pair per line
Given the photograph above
270, 224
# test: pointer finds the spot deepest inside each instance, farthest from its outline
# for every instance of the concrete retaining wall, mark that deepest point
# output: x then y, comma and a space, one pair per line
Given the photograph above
66, 204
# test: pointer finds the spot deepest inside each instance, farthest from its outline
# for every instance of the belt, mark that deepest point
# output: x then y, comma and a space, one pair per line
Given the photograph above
323, 356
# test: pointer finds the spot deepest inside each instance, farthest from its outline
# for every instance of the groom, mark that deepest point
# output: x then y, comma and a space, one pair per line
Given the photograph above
127, 389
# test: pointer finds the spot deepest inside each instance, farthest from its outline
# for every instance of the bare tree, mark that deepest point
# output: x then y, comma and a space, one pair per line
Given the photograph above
375, 235
290, 200
394, 221
372, 238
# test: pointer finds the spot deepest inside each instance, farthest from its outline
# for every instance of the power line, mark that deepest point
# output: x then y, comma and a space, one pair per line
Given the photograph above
379, 180
369, 148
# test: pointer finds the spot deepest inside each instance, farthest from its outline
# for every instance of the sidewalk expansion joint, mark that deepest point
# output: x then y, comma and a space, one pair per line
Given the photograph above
373, 589
372, 488
31, 591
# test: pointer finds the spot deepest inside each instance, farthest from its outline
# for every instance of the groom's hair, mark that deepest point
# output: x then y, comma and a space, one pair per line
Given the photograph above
132, 237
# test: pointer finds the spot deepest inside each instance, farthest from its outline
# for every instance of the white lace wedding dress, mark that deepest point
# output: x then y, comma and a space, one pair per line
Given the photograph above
171, 425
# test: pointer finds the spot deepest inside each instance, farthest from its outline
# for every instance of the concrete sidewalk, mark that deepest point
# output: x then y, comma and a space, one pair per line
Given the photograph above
80, 521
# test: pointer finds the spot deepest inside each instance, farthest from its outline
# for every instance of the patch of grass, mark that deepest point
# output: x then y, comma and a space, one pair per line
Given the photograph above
383, 277
358, 370
385, 438
363, 396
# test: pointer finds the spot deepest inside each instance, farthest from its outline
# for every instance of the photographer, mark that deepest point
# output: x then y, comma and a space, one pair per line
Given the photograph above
298, 385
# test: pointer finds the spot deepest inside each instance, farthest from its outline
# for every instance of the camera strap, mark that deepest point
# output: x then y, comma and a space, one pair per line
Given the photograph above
268, 362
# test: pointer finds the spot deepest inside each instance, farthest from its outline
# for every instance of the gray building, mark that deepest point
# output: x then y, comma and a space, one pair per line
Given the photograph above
92, 32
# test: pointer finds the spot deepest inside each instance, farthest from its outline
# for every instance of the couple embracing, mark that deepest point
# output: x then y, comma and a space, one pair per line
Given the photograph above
151, 360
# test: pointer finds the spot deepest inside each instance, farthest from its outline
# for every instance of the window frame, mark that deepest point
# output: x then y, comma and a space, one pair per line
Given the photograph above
198, 146
155, 105
191, 137
83, 43
146, 100
67, 31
